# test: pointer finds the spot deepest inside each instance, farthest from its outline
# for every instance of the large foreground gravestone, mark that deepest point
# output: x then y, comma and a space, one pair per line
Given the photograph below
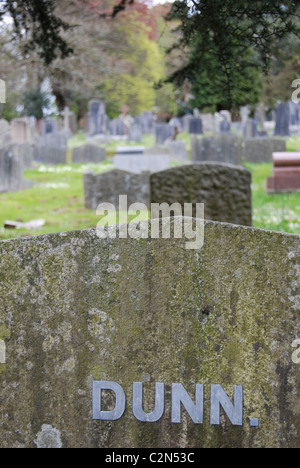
223, 188
88, 154
12, 165
107, 187
79, 314
224, 148
259, 150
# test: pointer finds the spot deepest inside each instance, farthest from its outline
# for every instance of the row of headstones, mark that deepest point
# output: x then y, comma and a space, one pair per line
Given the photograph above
223, 188
233, 150
136, 127
222, 148
52, 132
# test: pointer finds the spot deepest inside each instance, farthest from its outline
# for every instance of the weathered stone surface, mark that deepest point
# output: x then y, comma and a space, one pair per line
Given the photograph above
107, 187
260, 150
89, 154
224, 148
25, 153
75, 309
48, 155
12, 166
138, 160
224, 189
177, 150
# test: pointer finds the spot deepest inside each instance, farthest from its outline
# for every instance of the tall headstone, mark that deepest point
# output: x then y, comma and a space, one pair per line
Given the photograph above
250, 129
147, 122
207, 122
97, 117
244, 113
4, 131
12, 167
224, 189
69, 121
294, 113
282, 120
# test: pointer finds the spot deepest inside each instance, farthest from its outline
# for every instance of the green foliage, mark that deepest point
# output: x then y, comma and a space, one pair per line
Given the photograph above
35, 19
135, 86
224, 32
209, 82
35, 103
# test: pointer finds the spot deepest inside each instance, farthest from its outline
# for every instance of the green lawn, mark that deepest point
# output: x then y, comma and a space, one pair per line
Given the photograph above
58, 198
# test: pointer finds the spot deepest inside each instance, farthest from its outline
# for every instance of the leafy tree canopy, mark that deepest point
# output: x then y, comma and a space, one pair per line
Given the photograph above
221, 34
36, 19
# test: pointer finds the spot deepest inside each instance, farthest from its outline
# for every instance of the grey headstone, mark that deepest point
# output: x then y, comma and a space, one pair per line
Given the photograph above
76, 310
54, 140
282, 120
224, 189
88, 154
49, 126
207, 122
136, 160
258, 150
250, 129
12, 167
186, 122
48, 155
147, 122
25, 152
294, 113
107, 187
225, 148
4, 130
97, 117
21, 131
116, 127
163, 132
195, 126
225, 126
177, 150
135, 133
